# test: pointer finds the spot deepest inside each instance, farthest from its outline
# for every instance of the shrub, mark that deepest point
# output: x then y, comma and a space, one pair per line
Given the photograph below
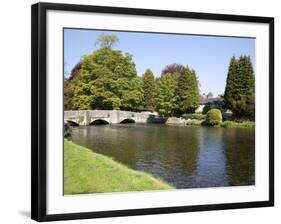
198, 116
206, 109
214, 117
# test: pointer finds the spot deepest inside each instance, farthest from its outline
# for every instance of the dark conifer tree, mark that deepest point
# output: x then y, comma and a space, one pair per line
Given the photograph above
240, 88
230, 89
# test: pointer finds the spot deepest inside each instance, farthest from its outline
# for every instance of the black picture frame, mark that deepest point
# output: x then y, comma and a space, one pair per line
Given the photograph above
39, 122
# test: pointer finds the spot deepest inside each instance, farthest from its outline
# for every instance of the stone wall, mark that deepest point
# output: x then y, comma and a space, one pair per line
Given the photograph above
86, 117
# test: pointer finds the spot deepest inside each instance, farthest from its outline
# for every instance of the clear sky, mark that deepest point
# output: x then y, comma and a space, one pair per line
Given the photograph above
209, 56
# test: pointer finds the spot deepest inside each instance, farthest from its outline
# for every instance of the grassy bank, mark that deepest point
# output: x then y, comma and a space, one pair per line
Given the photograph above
195, 122
89, 172
226, 124
238, 124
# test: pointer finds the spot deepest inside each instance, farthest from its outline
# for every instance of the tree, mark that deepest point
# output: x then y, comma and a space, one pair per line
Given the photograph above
107, 79
132, 95
187, 92
166, 101
177, 91
240, 88
210, 95
149, 90
107, 40
75, 71
173, 69
69, 85
230, 89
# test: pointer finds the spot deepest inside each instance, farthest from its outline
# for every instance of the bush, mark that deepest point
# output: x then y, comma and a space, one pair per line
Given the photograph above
198, 116
214, 117
206, 109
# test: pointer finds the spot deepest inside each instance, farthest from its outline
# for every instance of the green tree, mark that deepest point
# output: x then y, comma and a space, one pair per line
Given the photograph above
240, 88
231, 83
107, 79
187, 92
107, 40
132, 95
149, 90
166, 101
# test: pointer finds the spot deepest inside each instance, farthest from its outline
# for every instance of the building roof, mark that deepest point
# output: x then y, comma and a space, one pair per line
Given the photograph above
213, 100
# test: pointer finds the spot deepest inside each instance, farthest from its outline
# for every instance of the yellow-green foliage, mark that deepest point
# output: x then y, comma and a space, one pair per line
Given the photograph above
235, 124
198, 116
214, 117
195, 122
88, 172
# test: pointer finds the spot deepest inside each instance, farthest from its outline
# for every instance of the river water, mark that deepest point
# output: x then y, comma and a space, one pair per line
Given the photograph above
183, 156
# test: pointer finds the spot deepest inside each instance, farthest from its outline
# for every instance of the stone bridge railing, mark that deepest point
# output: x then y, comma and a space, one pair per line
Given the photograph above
87, 117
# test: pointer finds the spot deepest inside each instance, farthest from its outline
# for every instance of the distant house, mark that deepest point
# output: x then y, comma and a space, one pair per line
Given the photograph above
213, 102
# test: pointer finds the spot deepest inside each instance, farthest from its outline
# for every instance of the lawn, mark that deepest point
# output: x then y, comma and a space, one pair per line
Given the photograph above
88, 172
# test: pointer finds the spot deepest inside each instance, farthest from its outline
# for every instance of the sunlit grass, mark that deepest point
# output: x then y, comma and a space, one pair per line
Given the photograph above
89, 172
225, 124
235, 124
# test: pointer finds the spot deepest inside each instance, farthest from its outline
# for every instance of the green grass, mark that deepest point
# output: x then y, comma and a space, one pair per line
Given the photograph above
89, 172
225, 124
198, 116
238, 124
194, 122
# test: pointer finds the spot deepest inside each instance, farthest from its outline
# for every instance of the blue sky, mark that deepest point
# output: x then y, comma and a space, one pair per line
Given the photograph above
209, 56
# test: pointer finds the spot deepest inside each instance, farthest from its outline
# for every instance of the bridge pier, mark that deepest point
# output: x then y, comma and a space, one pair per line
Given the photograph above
87, 119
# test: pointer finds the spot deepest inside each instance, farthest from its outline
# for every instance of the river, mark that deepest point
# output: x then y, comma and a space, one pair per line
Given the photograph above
183, 156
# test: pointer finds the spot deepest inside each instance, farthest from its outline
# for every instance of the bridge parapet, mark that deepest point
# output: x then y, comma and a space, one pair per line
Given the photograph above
86, 117
79, 117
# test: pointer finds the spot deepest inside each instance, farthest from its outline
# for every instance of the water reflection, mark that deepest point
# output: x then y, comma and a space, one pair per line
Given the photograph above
185, 157
211, 166
240, 155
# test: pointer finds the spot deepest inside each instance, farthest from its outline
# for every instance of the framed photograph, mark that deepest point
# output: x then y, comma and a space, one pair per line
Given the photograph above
140, 111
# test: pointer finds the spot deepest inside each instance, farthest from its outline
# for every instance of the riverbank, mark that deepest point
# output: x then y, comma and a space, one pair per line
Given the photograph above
88, 172
224, 124
235, 124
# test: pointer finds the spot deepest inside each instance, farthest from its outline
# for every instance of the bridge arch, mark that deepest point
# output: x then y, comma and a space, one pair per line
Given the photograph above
99, 122
72, 123
127, 121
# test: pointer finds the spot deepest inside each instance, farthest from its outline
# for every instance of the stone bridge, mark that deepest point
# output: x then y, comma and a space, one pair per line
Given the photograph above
92, 117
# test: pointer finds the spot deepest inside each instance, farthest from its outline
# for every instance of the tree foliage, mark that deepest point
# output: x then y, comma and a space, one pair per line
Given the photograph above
107, 40
240, 88
206, 109
187, 92
177, 92
173, 69
166, 100
132, 95
69, 85
106, 79
149, 90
